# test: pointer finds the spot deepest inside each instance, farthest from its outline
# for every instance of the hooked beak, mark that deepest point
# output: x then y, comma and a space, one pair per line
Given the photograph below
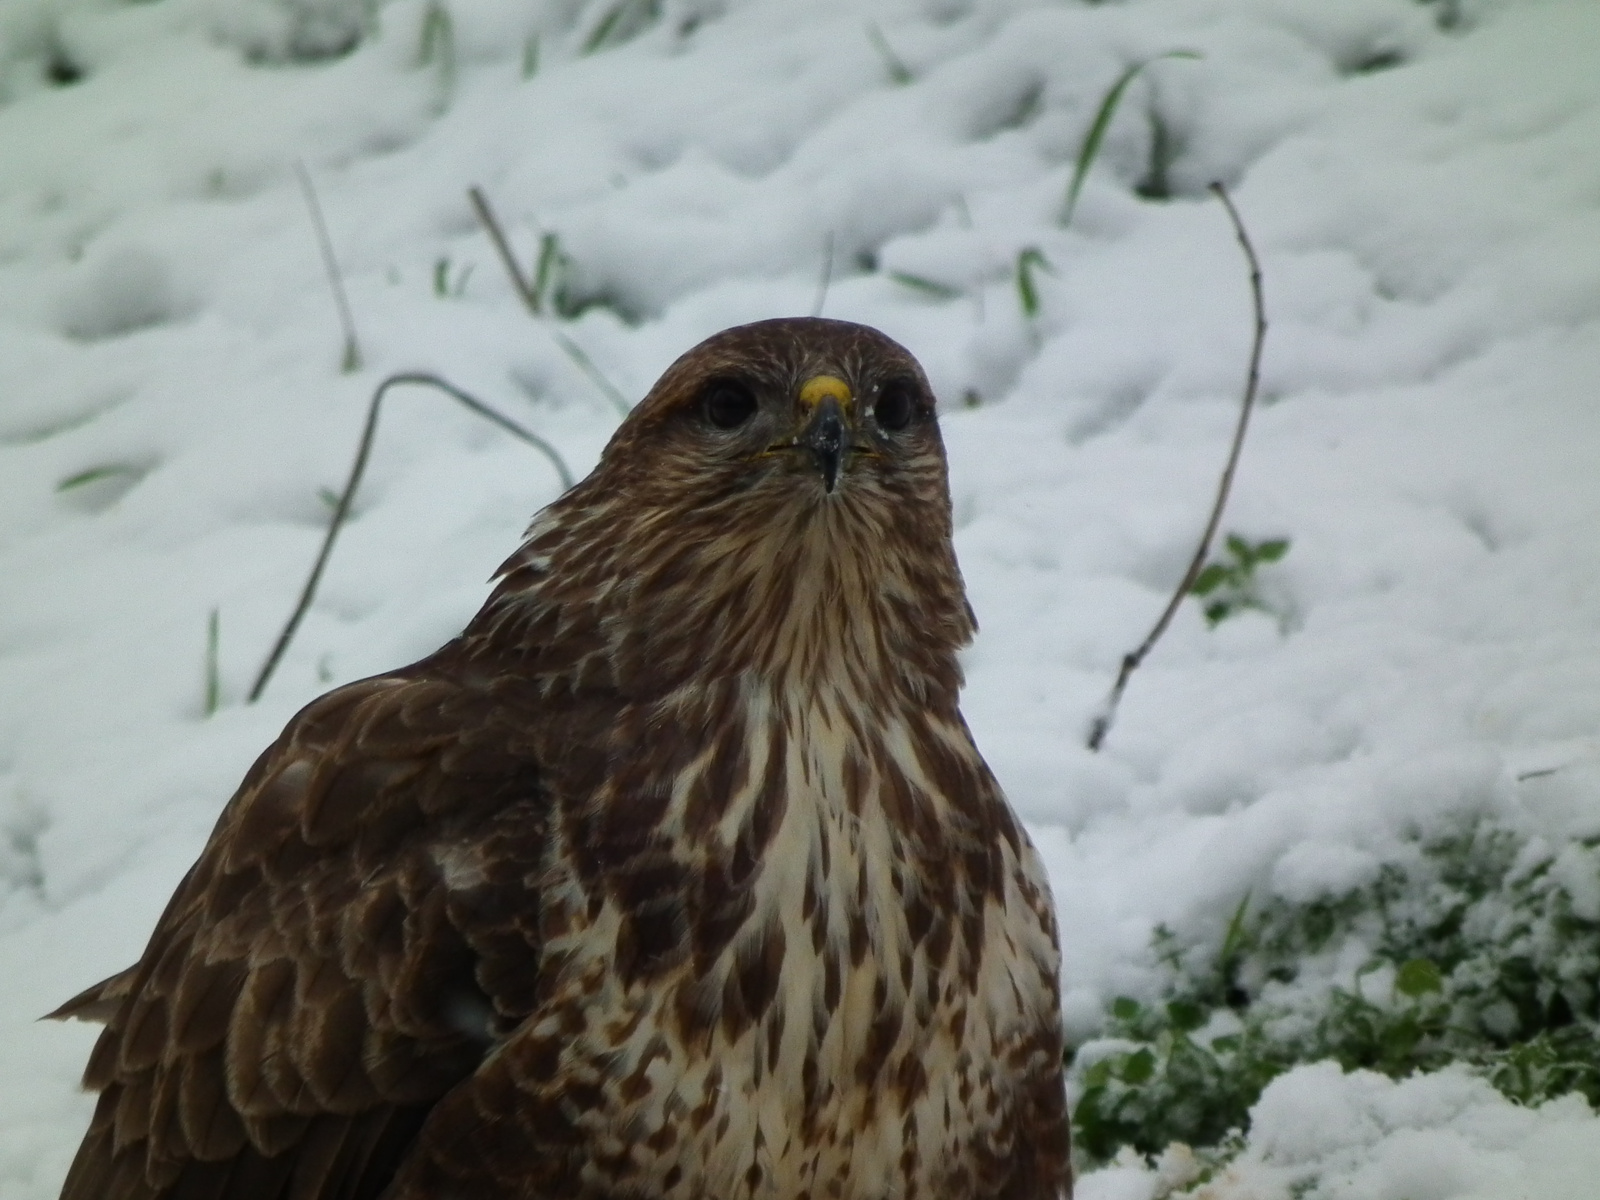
827, 403
825, 438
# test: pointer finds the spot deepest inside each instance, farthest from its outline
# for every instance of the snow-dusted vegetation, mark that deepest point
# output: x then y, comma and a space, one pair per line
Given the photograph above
1330, 892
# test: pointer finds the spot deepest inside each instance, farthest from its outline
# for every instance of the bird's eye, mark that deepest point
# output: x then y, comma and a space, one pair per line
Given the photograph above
897, 404
729, 404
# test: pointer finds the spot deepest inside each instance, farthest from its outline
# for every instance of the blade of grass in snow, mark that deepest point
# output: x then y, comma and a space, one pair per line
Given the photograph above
622, 21
928, 287
1029, 260
437, 44
893, 63
1102, 121
213, 671
95, 474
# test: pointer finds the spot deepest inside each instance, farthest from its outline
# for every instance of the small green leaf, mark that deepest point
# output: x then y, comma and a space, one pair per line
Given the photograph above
1125, 1008
1185, 1015
1210, 578
441, 277
1240, 549
1217, 612
530, 56
1418, 977
1138, 1067
1226, 1044
1272, 551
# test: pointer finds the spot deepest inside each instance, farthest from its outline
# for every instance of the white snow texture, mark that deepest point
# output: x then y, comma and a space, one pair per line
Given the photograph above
1422, 181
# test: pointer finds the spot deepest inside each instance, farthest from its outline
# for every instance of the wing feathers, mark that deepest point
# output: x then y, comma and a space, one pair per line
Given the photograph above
98, 1003
310, 992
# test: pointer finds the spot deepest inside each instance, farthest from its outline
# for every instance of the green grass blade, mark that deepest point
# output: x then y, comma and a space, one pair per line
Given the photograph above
1031, 259
213, 670
1102, 121
544, 272
893, 63
623, 21
928, 287
95, 474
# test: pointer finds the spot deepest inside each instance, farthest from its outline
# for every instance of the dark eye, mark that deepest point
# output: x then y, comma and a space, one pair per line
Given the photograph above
897, 404
729, 404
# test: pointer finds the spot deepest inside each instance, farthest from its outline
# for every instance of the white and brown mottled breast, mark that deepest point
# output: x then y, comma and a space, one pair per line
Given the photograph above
850, 988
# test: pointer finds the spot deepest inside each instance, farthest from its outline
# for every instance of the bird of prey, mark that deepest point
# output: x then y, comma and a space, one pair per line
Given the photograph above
676, 876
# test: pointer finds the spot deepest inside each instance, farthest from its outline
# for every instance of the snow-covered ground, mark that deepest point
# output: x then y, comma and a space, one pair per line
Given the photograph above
1423, 184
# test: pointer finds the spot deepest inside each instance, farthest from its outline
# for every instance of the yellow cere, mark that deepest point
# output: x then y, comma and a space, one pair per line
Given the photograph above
819, 387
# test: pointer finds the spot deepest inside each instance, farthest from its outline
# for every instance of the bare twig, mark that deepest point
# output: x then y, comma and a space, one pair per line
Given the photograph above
1101, 724
827, 275
486, 217
352, 348
534, 301
341, 509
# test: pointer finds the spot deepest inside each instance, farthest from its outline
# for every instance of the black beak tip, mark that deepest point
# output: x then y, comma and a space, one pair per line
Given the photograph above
826, 441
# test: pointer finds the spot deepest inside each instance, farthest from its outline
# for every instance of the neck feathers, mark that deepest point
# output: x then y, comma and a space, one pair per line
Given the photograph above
856, 595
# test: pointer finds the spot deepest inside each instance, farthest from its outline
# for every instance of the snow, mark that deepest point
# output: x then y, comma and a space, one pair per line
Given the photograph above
1430, 235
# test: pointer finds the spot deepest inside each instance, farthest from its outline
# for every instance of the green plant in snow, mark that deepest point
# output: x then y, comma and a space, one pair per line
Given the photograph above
1227, 585
1480, 950
1096, 133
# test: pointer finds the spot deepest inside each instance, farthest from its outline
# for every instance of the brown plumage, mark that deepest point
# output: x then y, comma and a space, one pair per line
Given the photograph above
676, 875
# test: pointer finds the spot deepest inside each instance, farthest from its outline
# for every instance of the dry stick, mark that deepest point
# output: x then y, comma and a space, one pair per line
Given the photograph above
535, 303
827, 275
341, 510
352, 349
1101, 724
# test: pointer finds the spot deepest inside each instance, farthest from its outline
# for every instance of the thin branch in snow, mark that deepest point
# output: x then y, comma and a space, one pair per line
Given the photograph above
534, 300
826, 279
352, 348
341, 510
1101, 725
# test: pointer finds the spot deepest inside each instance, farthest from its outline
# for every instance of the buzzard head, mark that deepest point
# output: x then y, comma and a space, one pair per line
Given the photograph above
778, 502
